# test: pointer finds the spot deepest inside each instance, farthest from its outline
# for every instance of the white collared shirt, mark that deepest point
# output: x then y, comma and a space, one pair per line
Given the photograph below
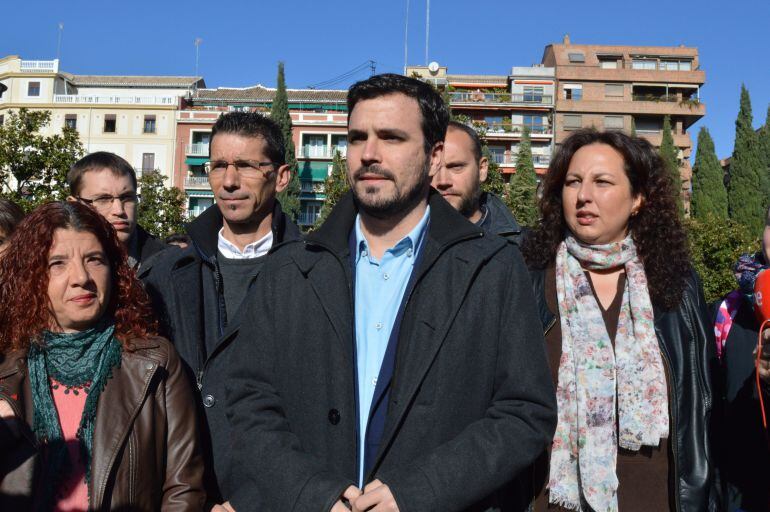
253, 250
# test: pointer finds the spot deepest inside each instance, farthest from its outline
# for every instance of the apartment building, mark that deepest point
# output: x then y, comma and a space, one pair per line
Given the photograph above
132, 116
629, 88
500, 106
319, 120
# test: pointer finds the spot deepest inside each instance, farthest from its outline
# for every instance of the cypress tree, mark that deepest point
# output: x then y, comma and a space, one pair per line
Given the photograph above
335, 186
522, 196
670, 155
746, 200
279, 112
709, 196
495, 182
764, 144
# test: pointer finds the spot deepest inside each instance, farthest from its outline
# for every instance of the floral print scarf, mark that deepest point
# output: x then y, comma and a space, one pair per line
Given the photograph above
605, 397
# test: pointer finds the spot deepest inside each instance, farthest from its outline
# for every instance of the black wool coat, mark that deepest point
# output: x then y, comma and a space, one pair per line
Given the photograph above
471, 402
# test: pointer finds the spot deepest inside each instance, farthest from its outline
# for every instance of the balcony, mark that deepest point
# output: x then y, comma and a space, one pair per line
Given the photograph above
308, 151
82, 99
480, 98
312, 187
39, 66
689, 108
307, 218
196, 182
200, 149
508, 130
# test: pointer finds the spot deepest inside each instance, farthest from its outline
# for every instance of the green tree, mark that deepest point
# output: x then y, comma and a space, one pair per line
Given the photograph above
715, 245
495, 182
335, 186
746, 190
161, 209
709, 196
670, 155
33, 167
522, 194
764, 143
279, 112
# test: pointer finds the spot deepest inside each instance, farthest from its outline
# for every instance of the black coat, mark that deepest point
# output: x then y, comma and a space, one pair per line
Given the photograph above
185, 288
686, 341
147, 247
744, 454
471, 403
498, 219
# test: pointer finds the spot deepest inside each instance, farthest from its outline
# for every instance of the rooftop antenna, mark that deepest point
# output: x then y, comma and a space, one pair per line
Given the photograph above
198, 42
427, 29
58, 41
406, 37
372, 68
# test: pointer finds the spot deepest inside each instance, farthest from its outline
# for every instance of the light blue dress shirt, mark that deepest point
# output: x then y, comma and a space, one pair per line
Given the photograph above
380, 287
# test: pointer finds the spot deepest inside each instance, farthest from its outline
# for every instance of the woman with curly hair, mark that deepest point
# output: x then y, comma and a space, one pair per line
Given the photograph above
627, 334
96, 411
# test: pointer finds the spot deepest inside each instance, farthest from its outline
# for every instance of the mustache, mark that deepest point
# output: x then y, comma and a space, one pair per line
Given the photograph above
375, 170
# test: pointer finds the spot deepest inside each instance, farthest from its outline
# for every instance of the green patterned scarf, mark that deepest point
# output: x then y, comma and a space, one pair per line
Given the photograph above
84, 359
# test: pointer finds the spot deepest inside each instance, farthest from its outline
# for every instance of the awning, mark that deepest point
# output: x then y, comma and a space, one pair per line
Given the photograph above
199, 193
314, 170
191, 160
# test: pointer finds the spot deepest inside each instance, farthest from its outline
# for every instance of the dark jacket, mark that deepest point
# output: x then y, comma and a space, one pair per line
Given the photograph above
185, 286
146, 452
744, 454
470, 402
687, 345
498, 219
147, 246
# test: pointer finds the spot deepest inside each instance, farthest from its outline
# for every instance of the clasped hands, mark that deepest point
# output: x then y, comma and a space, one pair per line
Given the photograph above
376, 497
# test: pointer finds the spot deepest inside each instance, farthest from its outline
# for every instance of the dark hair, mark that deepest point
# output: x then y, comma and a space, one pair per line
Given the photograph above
176, 238
96, 162
470, 132
10, 216
24, 304
657, 228
252, 124
435, 114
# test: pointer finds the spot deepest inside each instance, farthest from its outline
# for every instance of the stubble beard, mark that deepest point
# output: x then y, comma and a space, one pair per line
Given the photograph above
399, 203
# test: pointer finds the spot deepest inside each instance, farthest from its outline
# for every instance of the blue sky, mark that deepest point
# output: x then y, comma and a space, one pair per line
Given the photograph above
320, 40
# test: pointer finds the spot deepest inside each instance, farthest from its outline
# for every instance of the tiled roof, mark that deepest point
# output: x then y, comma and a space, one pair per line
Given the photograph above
259, 93
135, 81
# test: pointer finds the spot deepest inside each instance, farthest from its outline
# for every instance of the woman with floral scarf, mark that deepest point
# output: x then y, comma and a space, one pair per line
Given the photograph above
626, 334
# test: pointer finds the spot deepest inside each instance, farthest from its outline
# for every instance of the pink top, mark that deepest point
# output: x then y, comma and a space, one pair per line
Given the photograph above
72, 494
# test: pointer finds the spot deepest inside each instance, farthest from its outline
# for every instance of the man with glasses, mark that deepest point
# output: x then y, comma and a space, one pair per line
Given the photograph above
107, 183
198, 291
459, 180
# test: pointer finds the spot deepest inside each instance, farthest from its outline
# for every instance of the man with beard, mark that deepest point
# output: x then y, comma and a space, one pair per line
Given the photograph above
392, 360
459, 180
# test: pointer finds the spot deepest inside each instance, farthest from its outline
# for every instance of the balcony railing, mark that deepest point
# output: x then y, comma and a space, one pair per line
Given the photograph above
38, 66
199, 149
508, 158
194, 212
514, 129
196, 182
114, 100
312, 187
308, 151
307, 218
495, 97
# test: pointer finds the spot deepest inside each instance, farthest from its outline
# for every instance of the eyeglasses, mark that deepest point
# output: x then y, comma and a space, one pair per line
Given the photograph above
246, 168
105, 201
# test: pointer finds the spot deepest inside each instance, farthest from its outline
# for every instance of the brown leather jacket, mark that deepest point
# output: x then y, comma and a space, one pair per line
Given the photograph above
146, 452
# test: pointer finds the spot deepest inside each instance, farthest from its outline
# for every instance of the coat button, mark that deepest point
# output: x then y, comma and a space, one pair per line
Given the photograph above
334, 416
208, 401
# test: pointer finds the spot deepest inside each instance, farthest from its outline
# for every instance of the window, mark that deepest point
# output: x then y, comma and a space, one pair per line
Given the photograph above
535, 123
71, 121
340, 143
33, 89
576, 57
533, 94
573, 121
109, 123
149, 124
675, 65
644, 124
608, 63
643, 64
573, 91
314, 146
497, 153
613, 90
613, 122
148, 161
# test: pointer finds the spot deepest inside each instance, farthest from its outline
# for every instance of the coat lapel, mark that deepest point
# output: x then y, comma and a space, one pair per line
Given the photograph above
118, 406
